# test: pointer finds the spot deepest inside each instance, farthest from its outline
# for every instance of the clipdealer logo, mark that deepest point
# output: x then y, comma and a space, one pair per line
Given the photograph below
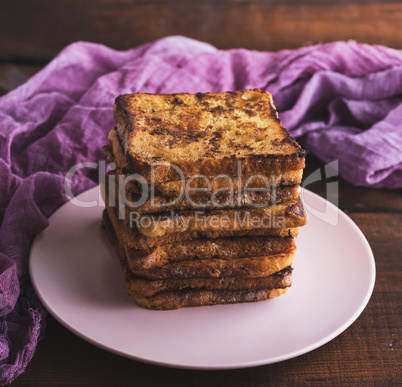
218, 192
240, 220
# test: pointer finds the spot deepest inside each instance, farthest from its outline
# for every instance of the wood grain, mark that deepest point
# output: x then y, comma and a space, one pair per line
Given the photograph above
35, 31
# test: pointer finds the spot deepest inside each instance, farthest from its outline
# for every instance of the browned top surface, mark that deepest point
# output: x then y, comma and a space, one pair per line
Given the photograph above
179, 127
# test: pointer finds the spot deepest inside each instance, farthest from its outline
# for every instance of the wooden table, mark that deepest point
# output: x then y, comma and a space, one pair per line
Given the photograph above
367, 353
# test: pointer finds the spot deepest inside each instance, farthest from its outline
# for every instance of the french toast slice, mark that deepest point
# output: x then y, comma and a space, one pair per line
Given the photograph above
284, 215
199, 249
133, 238
280, 216
222, 200
206, 134
249, 267
131, 195
202, 297
186, 292
147, 288
253, 267
116, 155
198, 186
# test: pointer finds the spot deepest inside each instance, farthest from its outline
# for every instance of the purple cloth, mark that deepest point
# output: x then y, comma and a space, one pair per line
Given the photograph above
344, 98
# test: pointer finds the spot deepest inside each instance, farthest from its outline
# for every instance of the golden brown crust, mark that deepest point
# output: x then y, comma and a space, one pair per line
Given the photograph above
175, 188
147, 288
222, 199
285, 215
202, 297
173, 293
199, 249
250, 267
253, 267
132, 238
204, 135
220, 248
250, 166
202, 251
116, 155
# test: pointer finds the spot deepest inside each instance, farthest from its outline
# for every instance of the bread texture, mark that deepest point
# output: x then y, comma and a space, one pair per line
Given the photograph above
279, 216
155, 203
204, 134
133, 238
190, 185
199, 249
174, 293
202, 198
202, 297
248, 267
158, 204
147, 288
192, 188
253, 267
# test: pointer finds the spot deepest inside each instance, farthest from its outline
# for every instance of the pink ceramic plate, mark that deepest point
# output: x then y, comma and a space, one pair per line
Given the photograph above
79, 281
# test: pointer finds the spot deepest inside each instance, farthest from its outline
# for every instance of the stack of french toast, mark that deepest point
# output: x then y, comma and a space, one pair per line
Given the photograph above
202, 198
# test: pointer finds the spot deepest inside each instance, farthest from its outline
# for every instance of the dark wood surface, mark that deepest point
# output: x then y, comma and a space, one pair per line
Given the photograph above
36, 30
367, 353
